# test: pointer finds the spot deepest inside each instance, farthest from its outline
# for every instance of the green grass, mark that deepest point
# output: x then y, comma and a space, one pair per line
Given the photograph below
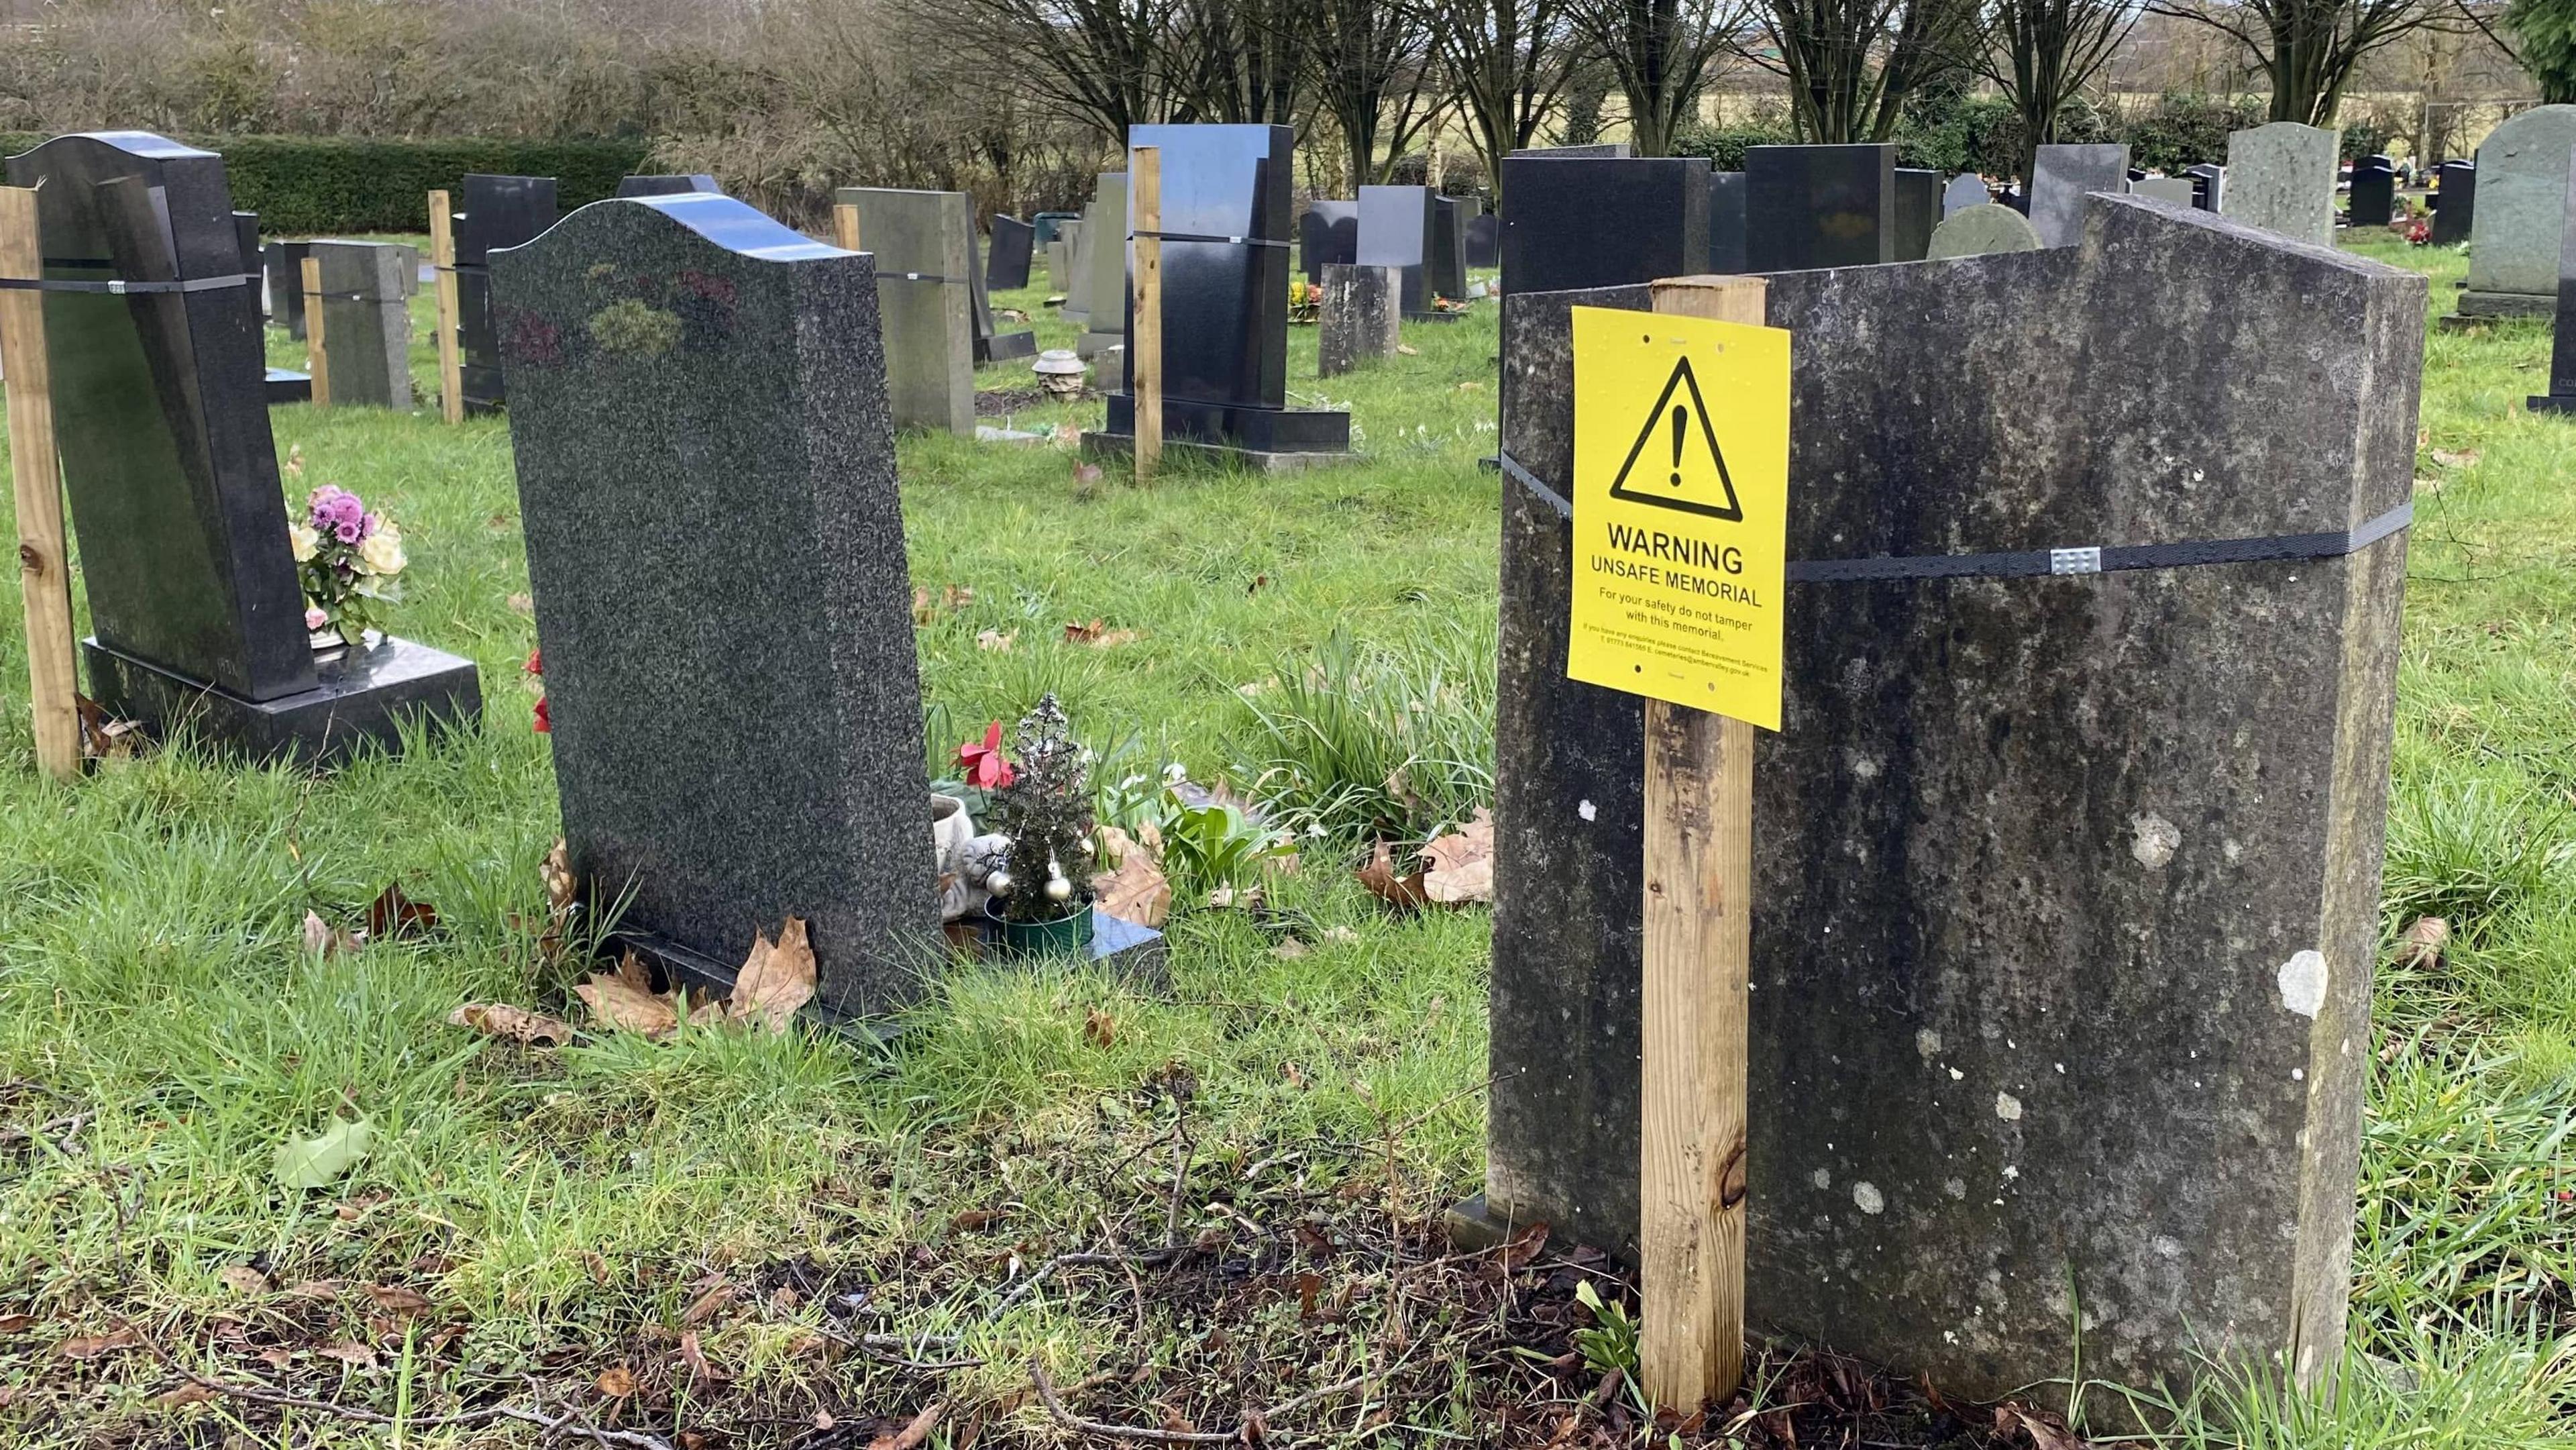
566, 1212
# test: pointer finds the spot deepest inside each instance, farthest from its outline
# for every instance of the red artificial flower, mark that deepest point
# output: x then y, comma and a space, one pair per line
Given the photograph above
545, 721
536, 664
985, 767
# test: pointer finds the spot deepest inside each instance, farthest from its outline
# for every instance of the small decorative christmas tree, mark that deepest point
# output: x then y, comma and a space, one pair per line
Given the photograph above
1046, 810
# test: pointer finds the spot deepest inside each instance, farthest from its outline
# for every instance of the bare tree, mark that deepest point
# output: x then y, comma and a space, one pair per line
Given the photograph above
1509, 60
2311, 49
1369, 67
1851, 64
1103, 60
1236, 61
2041, 52
1662, 53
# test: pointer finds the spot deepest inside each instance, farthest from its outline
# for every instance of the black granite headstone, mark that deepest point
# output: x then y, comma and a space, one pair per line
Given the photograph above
1820, 206
1013, 245
1596, 151
715, 544
1448, 274
172, 473
282, 269
1918, 211
282, 385
1225, 301
668, 184
2374, 192
1726, 221
1602, 222
2208, 185
1328, 235
2455, 203
1395, 231
990, 345
1484, 241
500, 211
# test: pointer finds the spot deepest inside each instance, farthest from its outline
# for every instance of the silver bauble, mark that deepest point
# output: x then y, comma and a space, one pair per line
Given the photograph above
1059, 889
998, 884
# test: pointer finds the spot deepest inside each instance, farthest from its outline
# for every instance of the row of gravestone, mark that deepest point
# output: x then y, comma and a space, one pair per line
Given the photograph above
1431, 240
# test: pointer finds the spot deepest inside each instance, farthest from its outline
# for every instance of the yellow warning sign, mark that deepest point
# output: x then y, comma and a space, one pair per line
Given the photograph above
1681, 509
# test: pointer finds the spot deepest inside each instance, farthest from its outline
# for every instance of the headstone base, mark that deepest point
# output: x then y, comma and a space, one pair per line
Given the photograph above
2507, 304
1005, 347
1474, 1227
367, 697
2551, 403
1100, 447
1232, 426
1092, 344
285, 386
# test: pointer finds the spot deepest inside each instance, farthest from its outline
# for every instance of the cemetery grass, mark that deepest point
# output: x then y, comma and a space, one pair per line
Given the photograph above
698, 1235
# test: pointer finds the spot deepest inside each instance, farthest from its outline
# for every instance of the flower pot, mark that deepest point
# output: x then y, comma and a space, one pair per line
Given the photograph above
1066, 934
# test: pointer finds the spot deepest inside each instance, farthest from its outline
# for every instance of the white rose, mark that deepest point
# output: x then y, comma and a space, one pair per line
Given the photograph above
304, 540
382, 553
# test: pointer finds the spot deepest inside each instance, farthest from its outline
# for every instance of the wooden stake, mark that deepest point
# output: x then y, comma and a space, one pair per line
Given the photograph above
845, 226
1698, 947
317, 354
1145, 344
442, 261
36, 477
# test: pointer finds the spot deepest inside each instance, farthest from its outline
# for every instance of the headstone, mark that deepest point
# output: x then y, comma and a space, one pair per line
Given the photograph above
1595, 222
1064, 266
367, 321
1726, 222
2374, 192
1328, 234
1484, 241
282, 272
1597, 151
500, 212
2522, 193
1982, 229
991, 344
1448, 259
1395, 231
668, 184
1103, 267
1820, 206
171, 472
923, 245
2173, 190
279, 385
1918, 210
1013, 243
2281, 177
2016, 1074
715, 547
1047, 224
2455, 202
1965, 190
2561, 397
2062, 177
1362, 317
1225, 302
2208, 186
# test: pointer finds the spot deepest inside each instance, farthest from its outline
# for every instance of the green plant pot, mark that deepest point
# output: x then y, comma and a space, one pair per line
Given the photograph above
1069, 934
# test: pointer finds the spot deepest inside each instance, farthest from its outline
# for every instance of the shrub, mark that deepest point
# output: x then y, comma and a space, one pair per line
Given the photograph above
2186, 130
1725, 146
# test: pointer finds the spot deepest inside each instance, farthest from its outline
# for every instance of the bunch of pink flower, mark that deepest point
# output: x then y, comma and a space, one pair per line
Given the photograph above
348, 558
335, 511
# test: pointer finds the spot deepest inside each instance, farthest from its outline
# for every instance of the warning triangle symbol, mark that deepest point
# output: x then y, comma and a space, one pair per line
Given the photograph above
1673, 474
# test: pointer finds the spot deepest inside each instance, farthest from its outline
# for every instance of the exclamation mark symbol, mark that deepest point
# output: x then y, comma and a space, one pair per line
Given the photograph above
1681, 420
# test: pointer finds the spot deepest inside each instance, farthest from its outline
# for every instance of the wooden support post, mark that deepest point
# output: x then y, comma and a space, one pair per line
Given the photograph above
845, 226
442, 261
1145, 363
1698, 946
36, 478
317, 352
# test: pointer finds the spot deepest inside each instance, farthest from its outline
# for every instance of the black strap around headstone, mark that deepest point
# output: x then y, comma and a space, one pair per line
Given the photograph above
2082, 559
119, 287
1204, 237
920, 277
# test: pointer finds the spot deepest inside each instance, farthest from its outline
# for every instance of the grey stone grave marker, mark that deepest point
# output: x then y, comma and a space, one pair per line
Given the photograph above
1395, 231
2455, 202
1447, 276
2173, 190
1328, 234
2062, 177
1064, 267
1918, 210
1982, 229
707, 477
167, 459
923, 245
2561, 397
1965, 190
2522, 194
2281, 177
991, 344
2066, 887
1362, 317
1102, 266
367, 319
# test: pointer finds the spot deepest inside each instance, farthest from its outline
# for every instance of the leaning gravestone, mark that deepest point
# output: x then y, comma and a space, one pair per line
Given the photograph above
1964, 191
707, 474
2062, 177
367, 322
1819, 206
2066, 882
1102, 268
1726, 222
991, 344
1981, 229
1014, 242
2281, 177
176, 504
668, 184
1225, 304
1362, 317
2455, 202
500, 211
2522, 193
1395, 231
923, 244
2373, 199
1328, 235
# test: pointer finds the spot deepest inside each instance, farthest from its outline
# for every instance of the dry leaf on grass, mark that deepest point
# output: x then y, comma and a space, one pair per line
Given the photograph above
707, 1305
556, 872
103, 737
620, 999
93, 1346
1290, 949
1099, 1028
617, 1382
2043, 1435
696, 1359
1097, 635
775, 980
16, 1323
995, 640
322, 939
2422, 944
2465, 458
397, 1299
1462, 864
393, 914
1406, 349
911, 1435
517, 1024
243, 1279
1382, 881
522, 604
351, 1354
1137, 891
189, 1393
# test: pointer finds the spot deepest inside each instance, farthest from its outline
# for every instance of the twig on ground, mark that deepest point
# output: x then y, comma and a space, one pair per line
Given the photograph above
1145, 1435
911, 1435
1180, 1171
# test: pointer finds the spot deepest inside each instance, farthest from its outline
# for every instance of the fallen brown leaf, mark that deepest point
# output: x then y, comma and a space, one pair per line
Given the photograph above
500, 1019
322, 939
16, 1323
1406, 349
1462, 863
103, 737
973, 1219
1137, 891
556, 872
1097, 634
2465, 458
522, 604
393, 914
1290, 949
189, 1393
295, 458
775, 980
1382, 881
994, 640
2043, 1433
616, 1001
351, 1354
92, 1346
396, 1299
696, 1359
911, 1435
2423, 943
707, 1305
617, 1382
1099, 1028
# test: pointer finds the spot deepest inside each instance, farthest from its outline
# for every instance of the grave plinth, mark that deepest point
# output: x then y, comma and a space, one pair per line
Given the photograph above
171, 471
2066, 884
715, 546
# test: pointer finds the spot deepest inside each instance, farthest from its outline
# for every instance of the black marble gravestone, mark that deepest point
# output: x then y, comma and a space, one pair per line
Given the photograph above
2455, 202
2374, 192
500, 211
1819, 206
1726, 221
282, 268
1395, 231
1484, 241
282, 385
1601, 221
1448, 275
715, 544
1225, 298
1918, 211
991, 345
2561, 397
1014, 243
668, 184
171, 471
1328, 235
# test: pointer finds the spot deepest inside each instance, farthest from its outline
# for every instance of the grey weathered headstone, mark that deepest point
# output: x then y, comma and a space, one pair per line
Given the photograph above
1965, 190
366, 322
2522, 194
2561, 397
1362, 317
2281, 177
2066, 888
2062, 177
1064, 270
1103, 265
1978, 230
1395, 231
2176, 190
923, 243
715, 545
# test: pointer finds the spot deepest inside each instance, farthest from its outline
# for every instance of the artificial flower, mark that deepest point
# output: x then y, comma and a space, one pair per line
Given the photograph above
305, 540
383, 550
315, 617
985, 767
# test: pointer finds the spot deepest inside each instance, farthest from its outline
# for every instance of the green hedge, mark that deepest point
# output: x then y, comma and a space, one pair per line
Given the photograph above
319, 185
